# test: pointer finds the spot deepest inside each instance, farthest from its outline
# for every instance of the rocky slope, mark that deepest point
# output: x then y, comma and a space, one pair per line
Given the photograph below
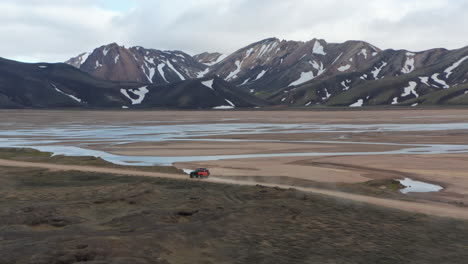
43, 85
293, 73
354, 73
117, 63
210, 59
391, 78
299, 74
210, 92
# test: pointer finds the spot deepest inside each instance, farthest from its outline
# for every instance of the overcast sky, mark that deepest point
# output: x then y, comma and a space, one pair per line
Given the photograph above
55, 30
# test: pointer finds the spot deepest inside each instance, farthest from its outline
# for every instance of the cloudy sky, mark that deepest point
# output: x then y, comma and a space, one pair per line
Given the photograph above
54, 30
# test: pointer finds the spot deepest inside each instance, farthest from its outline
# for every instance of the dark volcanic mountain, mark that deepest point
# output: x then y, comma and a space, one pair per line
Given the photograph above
300, 74
390, 78
206, 93
316, 72
43, 85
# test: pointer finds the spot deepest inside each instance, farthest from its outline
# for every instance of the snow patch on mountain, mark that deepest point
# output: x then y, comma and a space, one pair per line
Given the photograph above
182, 78
69, 95
262, 50
377, 70
140, 92
327, 95
249, 52
266, 48
98, 65
319, 67
218, 60
144, 72
450, 69
180, 55
161, 71
345, 85
229, 102
245, 82
116, 59
105, 51
83, 57
305, 77
409, 64
359, 103
209, 84
411, 89
203, 73
337, 58
425, 80
435, 78
344, 68
260, 75
318, 48
395, 101
152, 71
234, 73
363, 53
225, 107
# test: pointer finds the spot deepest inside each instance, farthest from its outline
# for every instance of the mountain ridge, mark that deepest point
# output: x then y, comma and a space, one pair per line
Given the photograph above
60, 85
278, 72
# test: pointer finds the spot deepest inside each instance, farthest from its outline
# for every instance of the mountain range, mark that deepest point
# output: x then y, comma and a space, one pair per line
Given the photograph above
268, 73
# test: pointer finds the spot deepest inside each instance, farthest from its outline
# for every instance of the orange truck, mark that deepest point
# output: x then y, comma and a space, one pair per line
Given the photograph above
201, 173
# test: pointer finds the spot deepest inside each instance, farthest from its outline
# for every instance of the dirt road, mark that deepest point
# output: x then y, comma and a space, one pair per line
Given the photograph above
442, 210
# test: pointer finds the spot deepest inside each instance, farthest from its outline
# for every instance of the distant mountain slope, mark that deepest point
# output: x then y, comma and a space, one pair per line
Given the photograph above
117, 63
207, 93
298, 74
210, 59
272, 64
386, 84
43, 85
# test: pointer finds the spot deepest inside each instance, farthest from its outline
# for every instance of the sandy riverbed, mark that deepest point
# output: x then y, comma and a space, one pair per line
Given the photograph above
447, 170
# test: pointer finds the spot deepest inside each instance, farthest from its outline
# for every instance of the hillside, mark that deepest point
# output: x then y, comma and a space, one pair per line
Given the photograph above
43, 85
299, 74
117, 63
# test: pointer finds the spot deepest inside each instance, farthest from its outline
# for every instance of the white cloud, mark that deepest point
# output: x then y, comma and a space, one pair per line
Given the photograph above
56, 30
53, 30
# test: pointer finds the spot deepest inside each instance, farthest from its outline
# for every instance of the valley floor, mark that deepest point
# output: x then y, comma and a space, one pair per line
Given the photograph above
352, 147
338, 200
